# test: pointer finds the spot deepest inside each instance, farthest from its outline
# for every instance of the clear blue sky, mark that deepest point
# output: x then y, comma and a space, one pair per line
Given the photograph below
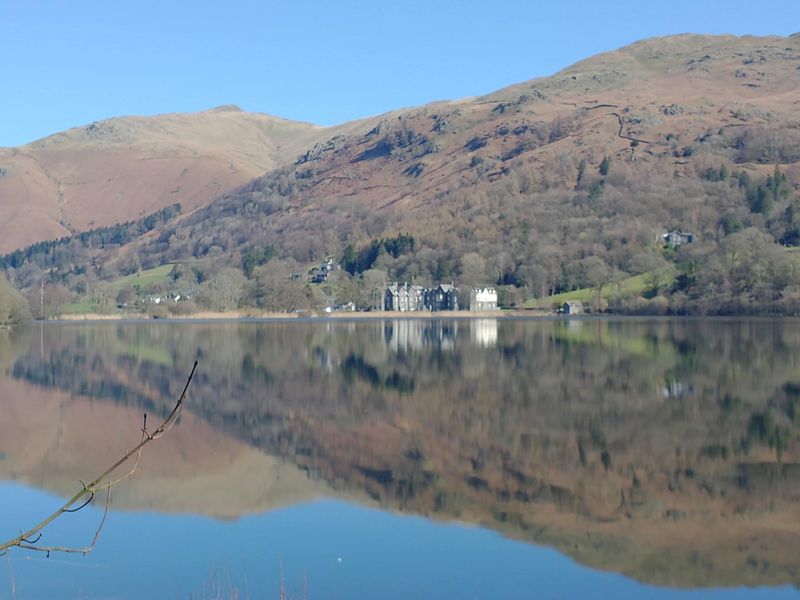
65, 63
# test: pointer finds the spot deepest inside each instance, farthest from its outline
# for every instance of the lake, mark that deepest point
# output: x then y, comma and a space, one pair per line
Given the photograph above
412, 458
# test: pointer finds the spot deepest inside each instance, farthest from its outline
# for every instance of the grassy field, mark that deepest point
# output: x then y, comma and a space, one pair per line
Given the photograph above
632, 286
79, 308
142, 278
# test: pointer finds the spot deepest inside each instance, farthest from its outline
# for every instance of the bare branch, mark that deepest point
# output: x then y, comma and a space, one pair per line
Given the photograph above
86, 549
25, 539
145, 436
71, 510
38, 537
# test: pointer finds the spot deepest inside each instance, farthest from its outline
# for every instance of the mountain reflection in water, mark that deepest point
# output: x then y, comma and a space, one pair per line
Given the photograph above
663, 450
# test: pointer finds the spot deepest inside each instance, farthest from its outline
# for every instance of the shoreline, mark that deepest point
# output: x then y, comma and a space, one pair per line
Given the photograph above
505, 315
304, 316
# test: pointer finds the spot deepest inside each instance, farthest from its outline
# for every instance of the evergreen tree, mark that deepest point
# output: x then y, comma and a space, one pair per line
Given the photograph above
581, 172
604, 164
349, 259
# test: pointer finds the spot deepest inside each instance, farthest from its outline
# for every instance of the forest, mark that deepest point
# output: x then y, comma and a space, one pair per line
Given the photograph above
530, 234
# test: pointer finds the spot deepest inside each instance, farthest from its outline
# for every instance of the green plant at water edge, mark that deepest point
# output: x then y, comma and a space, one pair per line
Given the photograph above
13, 308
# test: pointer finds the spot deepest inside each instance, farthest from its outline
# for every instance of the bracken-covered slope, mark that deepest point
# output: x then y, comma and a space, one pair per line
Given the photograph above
122, 168
516, 175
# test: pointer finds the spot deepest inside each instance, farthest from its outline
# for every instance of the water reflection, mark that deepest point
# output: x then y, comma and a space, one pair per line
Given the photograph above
483, 332
665, 450
404, 335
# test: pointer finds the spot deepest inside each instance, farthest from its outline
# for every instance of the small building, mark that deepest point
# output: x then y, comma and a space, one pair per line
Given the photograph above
442, 297
319, 274
404, 298
484, 299
677, 238
572, 307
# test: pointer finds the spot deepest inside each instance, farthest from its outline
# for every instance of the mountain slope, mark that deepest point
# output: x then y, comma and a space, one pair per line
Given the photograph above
518, 176
119, 169
547, 186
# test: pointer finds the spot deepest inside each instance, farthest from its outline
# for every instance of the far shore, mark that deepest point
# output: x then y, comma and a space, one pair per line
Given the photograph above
304, 315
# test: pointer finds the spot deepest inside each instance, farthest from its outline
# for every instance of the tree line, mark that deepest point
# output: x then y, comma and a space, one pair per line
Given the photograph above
52, 254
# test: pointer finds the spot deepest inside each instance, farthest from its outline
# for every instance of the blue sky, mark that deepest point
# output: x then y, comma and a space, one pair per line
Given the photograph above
68, 62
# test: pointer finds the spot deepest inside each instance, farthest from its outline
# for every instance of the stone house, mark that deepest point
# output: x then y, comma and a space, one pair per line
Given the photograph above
411, 298
676, 238
319, 274
404, 298
442, 297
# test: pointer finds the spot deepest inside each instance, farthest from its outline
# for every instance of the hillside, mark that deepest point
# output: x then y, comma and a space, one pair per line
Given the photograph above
122, 168
552, 185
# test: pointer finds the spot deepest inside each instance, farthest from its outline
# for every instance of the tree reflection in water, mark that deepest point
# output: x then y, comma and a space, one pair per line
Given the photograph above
666, 450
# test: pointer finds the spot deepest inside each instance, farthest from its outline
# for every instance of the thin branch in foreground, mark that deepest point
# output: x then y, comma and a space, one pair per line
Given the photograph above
68, 510
27, 541
86, 549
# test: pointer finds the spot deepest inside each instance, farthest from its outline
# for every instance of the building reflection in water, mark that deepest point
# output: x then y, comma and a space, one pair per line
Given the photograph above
574, 324
483, 333
402, 335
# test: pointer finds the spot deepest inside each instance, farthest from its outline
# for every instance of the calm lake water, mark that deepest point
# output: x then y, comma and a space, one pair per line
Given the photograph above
409, 458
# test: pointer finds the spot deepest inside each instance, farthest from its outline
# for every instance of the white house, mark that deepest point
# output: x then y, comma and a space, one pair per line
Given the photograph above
677, 238
483, 299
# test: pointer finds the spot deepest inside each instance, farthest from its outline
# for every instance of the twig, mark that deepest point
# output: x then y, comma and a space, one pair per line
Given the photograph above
282, 584
26, 539
11, 580
86, 549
